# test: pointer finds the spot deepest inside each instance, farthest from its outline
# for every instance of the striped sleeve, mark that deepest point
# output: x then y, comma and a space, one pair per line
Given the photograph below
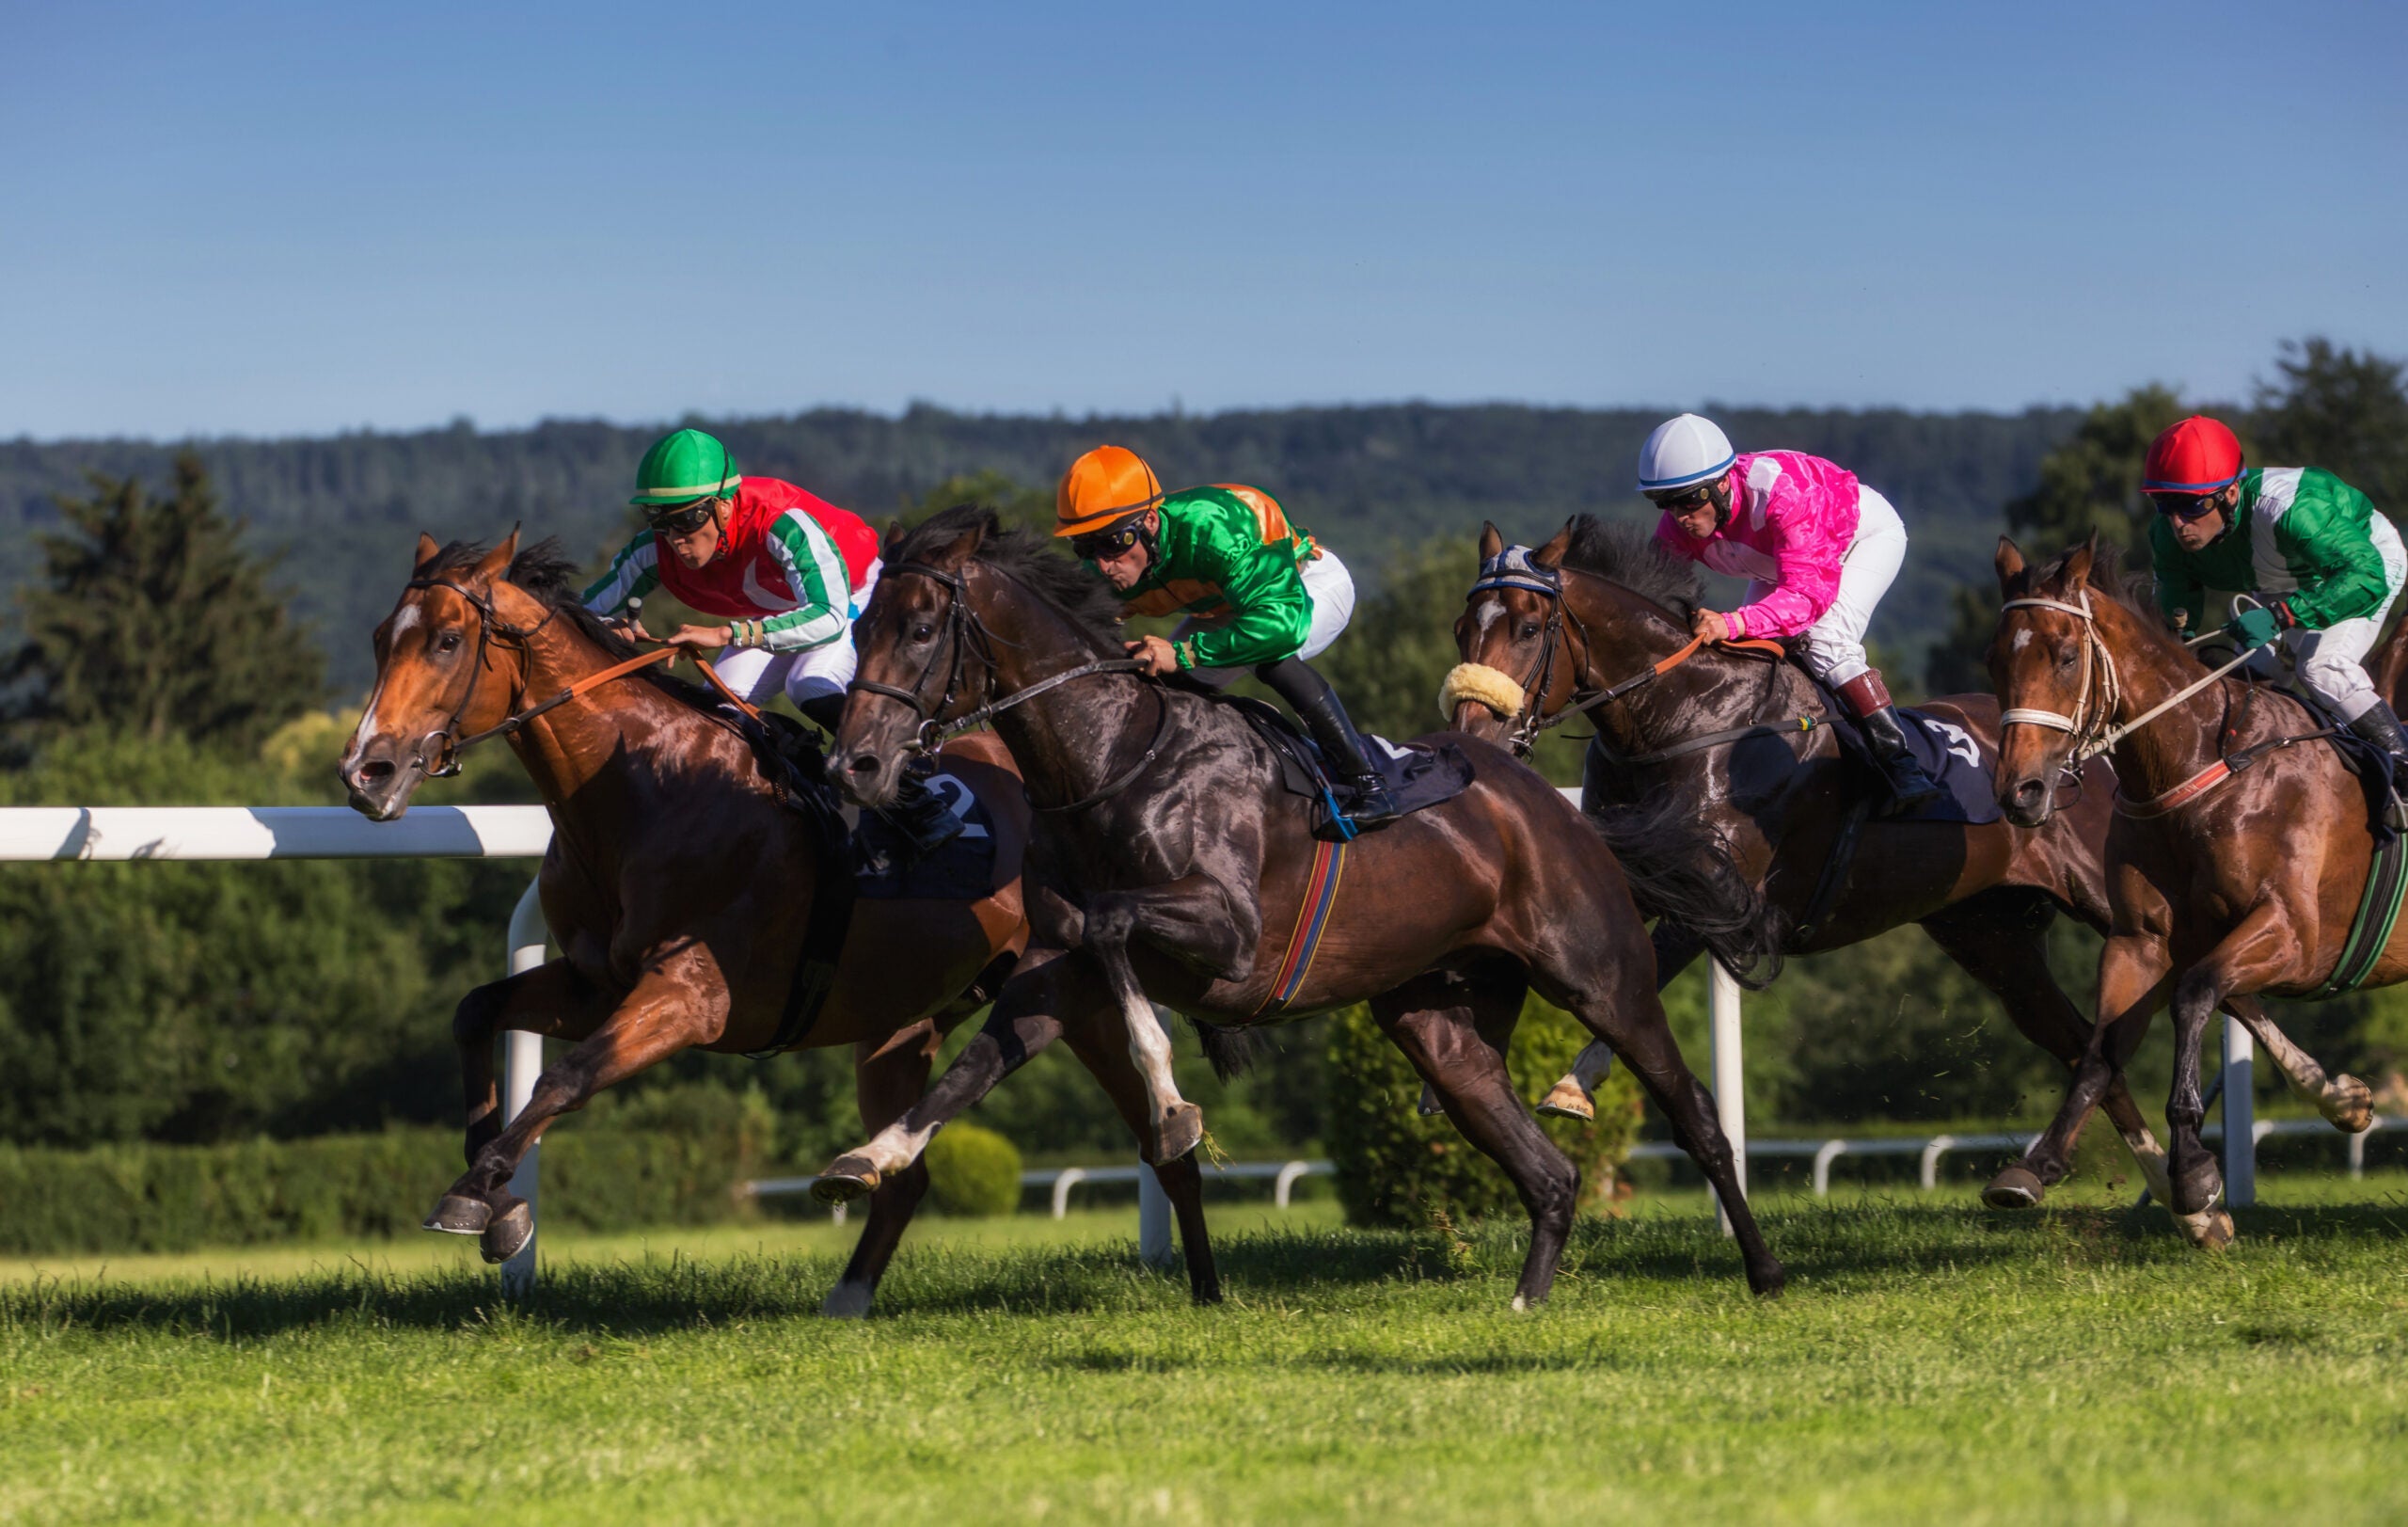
634, 573
814, 569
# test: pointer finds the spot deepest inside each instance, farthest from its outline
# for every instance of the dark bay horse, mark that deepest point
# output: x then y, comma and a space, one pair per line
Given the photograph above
1169, 864
678, 883
2235, 860
1718, 730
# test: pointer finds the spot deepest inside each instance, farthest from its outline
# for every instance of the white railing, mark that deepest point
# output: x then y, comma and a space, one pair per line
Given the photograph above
1283, 1176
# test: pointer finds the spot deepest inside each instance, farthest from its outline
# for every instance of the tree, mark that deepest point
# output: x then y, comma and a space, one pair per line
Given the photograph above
1021, 506
2340, 411
157, 623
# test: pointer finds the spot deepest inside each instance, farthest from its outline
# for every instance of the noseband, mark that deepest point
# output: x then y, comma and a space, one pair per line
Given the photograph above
445, 761
2091, 726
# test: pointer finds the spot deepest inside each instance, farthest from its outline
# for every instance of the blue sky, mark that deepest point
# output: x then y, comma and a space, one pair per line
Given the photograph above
270, 221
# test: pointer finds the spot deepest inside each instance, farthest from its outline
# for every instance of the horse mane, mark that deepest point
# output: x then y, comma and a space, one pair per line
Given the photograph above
1027, 559
547, 573
2135, 589
1626, 552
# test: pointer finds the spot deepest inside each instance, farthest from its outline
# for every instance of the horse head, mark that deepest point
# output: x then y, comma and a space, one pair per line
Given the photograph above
2046, 666
916, 644
1511, 637
438, 672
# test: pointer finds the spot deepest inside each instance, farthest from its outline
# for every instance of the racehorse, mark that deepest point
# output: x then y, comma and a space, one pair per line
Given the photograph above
1169, 863
2237, 855
679, 884
1611, 642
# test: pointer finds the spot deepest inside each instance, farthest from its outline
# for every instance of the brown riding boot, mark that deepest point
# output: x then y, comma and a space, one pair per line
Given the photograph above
1868, 700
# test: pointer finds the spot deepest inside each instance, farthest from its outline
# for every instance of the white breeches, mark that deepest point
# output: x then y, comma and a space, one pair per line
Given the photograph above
802, 673
1833, 649
2332, 662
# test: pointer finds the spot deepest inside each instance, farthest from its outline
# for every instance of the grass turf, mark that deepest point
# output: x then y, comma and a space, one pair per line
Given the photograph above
1931, 1361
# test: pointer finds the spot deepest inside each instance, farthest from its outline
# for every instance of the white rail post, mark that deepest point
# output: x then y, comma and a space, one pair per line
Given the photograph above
1153, 1205
1730, 1074
2240, 1139
522, 1062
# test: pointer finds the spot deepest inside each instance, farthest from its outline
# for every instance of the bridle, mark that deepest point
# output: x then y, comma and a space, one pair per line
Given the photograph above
965, 632
447, 742
2092, 726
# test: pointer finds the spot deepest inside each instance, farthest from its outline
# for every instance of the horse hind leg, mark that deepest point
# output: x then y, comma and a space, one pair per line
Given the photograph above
887, 1076
2346, 1103
1574, 1095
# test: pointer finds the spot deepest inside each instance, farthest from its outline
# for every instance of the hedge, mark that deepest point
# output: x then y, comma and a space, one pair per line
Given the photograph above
973, 1172
1396, 1167
670, 1161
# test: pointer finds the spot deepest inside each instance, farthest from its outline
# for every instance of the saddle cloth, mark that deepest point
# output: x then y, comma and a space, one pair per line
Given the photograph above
963, 869
1419, 776
1964, 765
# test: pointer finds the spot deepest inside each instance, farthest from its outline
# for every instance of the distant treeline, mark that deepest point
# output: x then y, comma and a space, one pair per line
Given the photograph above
346, 510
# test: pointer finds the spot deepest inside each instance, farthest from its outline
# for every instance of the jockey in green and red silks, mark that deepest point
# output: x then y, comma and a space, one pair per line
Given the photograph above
2322, 567
1818, 548
1258, 595
787, 571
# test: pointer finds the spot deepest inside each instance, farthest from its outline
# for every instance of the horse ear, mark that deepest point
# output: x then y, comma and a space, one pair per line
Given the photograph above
497, 562
1551, 554
2011, 566
964, 546
2079, 560
426, 550
894, 533
1491, 543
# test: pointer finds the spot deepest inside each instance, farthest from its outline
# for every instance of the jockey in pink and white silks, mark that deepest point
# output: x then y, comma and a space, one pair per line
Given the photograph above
1818, 548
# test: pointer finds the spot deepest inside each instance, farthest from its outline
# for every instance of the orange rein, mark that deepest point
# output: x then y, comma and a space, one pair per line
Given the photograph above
603, 675
1745, 643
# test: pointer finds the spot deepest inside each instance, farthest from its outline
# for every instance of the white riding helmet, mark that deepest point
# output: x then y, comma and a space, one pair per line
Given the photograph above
1682, 451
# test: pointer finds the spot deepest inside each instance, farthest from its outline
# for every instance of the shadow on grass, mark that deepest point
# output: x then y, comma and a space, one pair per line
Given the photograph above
1877, 1243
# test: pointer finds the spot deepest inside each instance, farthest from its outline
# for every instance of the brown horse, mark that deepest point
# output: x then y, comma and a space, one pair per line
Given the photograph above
679, 883
1171, 864
1721, 729
2237, 855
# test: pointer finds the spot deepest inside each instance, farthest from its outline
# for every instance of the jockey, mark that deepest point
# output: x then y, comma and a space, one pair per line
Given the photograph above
2321, 564
1819, 549
790, 570
1258, 592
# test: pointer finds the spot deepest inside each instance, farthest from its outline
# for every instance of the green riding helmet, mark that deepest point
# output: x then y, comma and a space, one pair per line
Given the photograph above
681, 467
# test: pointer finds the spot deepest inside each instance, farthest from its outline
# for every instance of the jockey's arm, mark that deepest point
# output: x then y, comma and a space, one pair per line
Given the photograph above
814, 569
634, 573
2339, 570
1806, 588
1271, 614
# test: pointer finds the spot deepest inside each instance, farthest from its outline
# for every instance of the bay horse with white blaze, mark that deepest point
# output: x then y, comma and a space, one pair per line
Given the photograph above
1170, 864
680, 882
2240, 844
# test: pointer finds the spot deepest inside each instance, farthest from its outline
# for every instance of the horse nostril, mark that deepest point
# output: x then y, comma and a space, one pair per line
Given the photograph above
863, 763
371, 773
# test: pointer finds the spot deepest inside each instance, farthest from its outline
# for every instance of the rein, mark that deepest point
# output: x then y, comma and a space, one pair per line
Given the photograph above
449, 744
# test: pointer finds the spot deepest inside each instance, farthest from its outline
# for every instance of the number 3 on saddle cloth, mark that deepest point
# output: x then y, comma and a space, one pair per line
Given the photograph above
1417, 777
1964, 766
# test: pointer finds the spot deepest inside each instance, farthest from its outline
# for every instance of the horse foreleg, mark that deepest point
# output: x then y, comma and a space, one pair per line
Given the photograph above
552, 999
2346, 1103
1094, 1035
670, 1010
2259, 946
1023, 1022
1576, 1095
1187, 918
888, 1075
1438, 1024
1997, 942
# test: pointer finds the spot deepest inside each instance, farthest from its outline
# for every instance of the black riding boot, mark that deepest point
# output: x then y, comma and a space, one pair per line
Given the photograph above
1348, 756
918, 813
2378, 726
1869, 698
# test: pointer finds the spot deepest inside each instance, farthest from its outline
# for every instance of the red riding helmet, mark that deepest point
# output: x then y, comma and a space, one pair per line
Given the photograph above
2197, 456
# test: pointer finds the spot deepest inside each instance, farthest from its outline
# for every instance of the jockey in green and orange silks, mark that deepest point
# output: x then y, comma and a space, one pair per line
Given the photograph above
1257, 593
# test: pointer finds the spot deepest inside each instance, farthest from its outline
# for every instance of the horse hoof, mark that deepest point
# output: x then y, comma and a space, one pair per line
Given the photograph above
1766, 1282
847, 1178
1566, 1101
2352, 1109
847, 1301
2016, 1188
2209, 1230
456, 1214
1429, 1108
1179, 1131
509, 1232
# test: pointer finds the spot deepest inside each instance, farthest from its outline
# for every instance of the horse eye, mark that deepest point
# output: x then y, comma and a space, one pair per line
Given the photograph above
923, 631
2065, 660
1529, 630
448, 642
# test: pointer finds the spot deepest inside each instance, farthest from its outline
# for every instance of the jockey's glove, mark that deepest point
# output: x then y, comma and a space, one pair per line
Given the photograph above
2254, 628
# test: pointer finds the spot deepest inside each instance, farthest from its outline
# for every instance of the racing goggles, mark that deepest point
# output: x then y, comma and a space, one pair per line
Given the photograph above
1109, 542
2186, 506
1682, 500
685, 519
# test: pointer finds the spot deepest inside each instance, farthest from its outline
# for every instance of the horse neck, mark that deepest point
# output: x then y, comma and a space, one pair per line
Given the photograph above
1626, 634
567, 748
2152, 666
1068, 740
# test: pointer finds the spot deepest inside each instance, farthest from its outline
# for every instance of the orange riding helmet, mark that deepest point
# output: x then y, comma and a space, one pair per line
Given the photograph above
1107, 484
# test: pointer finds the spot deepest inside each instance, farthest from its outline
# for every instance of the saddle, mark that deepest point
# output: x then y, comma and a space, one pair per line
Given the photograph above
1418, 776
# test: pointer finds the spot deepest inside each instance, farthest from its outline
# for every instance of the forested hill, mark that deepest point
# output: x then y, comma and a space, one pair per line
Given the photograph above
346, 510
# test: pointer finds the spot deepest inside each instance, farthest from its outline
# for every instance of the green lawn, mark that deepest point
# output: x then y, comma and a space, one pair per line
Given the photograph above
1931, 1361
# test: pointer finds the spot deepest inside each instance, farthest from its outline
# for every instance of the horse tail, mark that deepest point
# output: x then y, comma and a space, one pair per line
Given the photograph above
1683, 872
1230, 1050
